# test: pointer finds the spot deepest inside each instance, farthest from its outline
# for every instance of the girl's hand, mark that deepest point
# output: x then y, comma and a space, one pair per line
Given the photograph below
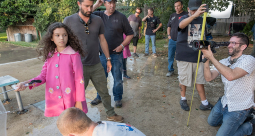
21, 86
78, 105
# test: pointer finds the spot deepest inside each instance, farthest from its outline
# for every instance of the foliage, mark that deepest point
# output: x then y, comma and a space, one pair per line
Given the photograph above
53, 11
44, 16
164, 8
244, 7
14, 11
248, 27
44, 12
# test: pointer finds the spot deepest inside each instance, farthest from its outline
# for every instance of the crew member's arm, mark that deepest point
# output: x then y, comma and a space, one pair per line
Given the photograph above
144, 19
155, 30
128, 31
209, 74
97, 4
124, 43
168, 32
188, 20
140, 34
228, 73
104, 47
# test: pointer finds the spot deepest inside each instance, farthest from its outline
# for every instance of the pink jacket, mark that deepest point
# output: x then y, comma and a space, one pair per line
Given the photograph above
63, 74
126, 51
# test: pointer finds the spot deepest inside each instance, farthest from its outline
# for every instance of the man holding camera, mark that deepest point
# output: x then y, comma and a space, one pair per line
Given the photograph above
238, 75
187, 58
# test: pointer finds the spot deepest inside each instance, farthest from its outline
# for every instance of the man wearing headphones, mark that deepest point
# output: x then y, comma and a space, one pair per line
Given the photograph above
238, 76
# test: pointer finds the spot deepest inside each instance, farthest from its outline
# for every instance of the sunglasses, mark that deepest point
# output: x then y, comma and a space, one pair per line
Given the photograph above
138, 12
85, 25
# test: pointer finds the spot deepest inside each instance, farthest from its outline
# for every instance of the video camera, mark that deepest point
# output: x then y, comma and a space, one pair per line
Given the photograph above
203, 44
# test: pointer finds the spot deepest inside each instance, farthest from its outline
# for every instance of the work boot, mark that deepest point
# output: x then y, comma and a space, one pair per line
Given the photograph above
206, 107
146, 54
95, 102
168, 74
125, 74
116, 118
118, 104
135, 55
184, 105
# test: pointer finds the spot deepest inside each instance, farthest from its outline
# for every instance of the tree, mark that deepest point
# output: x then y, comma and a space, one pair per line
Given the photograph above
44, 12
14, 11
164, 8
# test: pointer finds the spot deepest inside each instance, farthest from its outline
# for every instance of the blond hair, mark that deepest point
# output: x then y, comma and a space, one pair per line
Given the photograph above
73, 120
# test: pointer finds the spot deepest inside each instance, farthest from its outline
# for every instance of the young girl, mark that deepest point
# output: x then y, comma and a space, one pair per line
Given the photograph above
62, 71
126, 54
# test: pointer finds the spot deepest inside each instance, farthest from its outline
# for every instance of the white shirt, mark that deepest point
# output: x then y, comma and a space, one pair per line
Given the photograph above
108, 128
239, 93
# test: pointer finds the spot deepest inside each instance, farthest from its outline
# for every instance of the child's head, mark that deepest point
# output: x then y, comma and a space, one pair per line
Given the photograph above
73, 120
48, 44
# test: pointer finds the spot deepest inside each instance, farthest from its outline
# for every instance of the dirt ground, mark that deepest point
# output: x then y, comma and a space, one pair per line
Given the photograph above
150, 99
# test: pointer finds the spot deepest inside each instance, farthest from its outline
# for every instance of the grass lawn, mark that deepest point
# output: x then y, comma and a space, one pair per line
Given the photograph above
161, 47
3, 37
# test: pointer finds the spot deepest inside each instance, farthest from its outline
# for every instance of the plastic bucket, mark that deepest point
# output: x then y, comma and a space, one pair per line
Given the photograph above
28, 37
17, 37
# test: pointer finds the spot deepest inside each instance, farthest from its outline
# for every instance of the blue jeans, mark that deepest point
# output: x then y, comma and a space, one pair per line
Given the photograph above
116, 60
171, 54
232, 123
147, 41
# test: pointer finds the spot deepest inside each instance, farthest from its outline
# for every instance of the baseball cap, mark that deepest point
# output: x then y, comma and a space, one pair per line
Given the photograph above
194, 4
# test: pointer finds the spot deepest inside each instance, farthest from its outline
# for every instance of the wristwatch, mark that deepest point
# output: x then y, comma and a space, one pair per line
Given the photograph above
122, 46
108, 59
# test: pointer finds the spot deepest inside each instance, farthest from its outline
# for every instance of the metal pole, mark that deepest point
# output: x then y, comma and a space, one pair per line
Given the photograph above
19, 101
5, 94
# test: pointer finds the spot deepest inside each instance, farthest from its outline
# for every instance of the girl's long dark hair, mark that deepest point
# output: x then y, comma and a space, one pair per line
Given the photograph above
46, 46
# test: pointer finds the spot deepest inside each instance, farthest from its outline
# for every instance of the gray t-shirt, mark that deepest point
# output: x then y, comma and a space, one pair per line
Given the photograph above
135, 23
89, 42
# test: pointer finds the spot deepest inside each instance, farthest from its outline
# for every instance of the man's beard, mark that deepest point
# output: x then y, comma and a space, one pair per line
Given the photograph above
84, 13
234, 52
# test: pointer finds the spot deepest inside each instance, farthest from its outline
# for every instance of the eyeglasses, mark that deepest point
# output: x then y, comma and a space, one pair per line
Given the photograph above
234, 43
87, 28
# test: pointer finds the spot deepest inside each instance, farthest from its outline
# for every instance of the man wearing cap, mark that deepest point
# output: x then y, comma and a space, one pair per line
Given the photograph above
238, 76
136, 23
187, 58
152, 22
89, 29
172, 32
115, 24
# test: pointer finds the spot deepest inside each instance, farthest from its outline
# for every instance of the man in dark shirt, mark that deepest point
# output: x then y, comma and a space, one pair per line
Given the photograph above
115, 24
186, 57
172, 31
152, 22
89, 29
136, 23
